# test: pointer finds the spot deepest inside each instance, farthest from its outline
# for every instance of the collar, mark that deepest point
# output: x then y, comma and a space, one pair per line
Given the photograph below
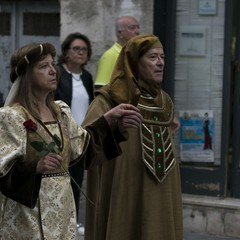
117, 47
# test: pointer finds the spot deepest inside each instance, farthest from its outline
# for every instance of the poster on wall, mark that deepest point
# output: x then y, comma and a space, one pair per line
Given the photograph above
207, 7
192, 41
196, 136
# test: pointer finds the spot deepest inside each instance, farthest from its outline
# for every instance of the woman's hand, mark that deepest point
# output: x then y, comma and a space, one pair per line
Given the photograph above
125, 115
49, 163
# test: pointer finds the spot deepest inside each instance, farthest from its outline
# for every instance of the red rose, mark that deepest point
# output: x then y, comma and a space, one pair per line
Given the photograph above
30, 125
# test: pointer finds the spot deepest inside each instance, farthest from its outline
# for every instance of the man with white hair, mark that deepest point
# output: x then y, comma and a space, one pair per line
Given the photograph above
126, 28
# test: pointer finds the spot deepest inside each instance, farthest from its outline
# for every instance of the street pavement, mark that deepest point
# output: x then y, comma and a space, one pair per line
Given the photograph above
196, 236
201, 236
187, 235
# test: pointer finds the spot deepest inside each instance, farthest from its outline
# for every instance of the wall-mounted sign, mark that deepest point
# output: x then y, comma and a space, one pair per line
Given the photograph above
192, 41
196, 136
207, 7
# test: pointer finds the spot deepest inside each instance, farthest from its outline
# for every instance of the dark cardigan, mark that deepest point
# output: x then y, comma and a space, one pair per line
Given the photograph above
64, 89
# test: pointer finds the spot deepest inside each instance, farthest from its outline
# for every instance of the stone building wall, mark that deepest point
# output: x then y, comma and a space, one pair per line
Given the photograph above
199, 78
96, 19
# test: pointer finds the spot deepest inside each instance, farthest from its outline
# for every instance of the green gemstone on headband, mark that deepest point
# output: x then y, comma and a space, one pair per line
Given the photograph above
155, 118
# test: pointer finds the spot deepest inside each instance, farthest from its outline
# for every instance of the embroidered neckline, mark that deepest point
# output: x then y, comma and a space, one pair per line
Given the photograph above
50, 134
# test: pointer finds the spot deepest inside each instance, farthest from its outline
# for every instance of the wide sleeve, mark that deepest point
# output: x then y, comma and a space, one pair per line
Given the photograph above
18, 178
92, 145
13, 139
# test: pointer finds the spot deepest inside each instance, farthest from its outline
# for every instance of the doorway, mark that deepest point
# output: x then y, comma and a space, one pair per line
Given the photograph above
210, 179
24, 22
234, 171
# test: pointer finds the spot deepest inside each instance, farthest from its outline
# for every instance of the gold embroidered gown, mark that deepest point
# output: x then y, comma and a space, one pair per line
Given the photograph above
36, 206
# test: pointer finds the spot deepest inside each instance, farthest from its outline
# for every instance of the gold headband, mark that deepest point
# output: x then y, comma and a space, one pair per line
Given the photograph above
16, 71
41, 49
31, 56
25, 57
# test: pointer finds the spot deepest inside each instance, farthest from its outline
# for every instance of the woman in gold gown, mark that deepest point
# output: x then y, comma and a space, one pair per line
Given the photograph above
39, 140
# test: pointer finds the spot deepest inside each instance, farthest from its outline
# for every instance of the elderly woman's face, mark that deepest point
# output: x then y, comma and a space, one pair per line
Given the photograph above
151, 66
77, 53
44, 75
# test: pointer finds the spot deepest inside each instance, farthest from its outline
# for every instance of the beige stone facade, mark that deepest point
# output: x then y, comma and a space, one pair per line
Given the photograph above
96, 19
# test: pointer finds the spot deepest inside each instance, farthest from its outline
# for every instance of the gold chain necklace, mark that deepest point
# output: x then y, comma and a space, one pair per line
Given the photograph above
77, 79
74, 77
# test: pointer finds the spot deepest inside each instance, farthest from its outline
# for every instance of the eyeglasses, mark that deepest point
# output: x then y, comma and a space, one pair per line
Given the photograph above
79, 49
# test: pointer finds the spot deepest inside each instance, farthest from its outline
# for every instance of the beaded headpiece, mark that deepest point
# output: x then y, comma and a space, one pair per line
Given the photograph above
19, 67
23, 58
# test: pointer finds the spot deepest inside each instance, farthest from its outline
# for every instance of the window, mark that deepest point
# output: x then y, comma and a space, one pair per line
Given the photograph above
5, 26
41, 24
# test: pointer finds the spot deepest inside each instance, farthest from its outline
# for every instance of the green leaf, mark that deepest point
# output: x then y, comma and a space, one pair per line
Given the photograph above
43, 153
53, 148
57, 140
38, 146
50, 146
56, 149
